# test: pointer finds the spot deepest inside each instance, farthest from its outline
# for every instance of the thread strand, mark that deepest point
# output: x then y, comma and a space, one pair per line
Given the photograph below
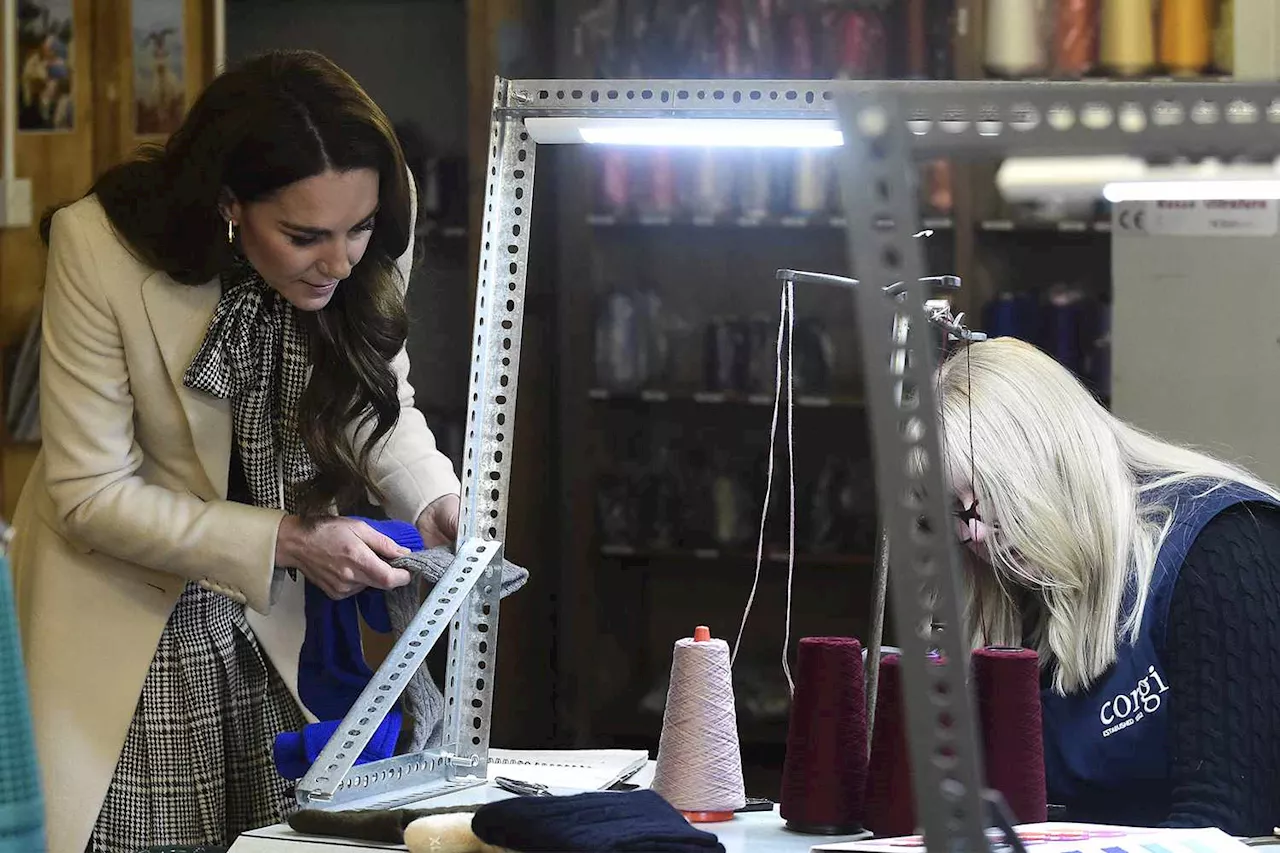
768, 482
791, 483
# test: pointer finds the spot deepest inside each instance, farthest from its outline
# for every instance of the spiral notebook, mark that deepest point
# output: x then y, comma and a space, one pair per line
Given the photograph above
581, 769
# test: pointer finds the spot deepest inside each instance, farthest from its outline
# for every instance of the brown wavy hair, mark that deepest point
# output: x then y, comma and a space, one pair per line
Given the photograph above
277, 119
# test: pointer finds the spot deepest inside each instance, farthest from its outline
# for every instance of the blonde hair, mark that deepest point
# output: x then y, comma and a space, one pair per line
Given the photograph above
1064, 488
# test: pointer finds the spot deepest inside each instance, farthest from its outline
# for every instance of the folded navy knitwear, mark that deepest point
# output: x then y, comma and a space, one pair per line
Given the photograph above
597, 821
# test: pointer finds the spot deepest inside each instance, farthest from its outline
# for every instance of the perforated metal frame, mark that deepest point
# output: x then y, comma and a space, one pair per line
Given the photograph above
877, 183
462, 759
491, 417
330, 781
886, 125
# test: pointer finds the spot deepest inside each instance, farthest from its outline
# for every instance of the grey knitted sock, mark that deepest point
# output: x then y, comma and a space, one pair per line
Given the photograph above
423, 701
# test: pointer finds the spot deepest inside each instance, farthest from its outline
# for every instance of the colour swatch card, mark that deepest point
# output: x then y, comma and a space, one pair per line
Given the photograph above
1076, 838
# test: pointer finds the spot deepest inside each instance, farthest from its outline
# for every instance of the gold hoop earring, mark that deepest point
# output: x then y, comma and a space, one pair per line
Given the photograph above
231, 232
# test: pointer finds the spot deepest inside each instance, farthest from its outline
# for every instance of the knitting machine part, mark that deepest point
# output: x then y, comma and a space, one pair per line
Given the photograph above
876, 184
333, 780
879, 597
941, 282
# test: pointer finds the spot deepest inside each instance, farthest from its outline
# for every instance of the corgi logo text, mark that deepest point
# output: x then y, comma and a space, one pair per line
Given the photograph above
1128, 709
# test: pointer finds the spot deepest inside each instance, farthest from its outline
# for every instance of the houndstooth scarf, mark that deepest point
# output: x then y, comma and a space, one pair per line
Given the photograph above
256, 354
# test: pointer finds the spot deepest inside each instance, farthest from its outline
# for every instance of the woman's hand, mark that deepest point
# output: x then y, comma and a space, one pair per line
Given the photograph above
438, 523
342, 556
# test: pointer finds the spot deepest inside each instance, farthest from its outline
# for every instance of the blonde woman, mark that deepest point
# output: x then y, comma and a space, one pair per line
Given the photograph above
1147, 577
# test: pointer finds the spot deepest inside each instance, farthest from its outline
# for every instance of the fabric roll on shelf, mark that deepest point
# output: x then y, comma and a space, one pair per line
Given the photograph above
1075, 42
917, 39
1013, 315
1014, 43
1065, 319
1066, 322
1186, 36
1100, 359
1127, 46
1224, 37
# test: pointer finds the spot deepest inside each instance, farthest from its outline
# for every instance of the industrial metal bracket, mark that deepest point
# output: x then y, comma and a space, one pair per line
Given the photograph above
331, 781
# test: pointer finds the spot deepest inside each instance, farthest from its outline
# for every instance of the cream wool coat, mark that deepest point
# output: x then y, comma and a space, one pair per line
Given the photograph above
127, 503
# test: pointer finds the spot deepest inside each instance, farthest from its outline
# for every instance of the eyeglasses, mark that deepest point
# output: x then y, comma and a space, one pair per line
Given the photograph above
967, 516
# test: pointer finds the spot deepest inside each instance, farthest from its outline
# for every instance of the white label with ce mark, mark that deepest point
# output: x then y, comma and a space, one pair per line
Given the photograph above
1197, 218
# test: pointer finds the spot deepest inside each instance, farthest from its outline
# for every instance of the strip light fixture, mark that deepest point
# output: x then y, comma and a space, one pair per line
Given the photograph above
1120, 179
1116, 179
687, 132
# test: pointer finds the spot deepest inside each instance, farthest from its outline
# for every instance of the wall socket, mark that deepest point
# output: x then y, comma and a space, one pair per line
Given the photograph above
15, 203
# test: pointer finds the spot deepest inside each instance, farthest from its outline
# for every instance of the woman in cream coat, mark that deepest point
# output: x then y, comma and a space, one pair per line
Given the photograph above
159, 533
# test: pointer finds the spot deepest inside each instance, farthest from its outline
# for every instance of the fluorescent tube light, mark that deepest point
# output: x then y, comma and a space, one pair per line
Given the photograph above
1208, 180
686, 132
1233, 190
1075, 181
1064, 181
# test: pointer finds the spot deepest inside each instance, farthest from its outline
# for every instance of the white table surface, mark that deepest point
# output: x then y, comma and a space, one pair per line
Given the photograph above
749, 832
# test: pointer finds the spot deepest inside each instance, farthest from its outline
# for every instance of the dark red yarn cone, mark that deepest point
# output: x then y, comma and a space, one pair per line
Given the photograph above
890, 802
1008, 688
825, 770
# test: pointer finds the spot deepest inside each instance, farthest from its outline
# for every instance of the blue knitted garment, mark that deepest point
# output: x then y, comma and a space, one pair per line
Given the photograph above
597, 821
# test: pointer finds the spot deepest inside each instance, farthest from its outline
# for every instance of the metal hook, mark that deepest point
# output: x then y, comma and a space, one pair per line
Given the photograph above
940, 312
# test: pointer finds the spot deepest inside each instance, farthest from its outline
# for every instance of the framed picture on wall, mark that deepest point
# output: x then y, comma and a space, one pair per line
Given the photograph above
45, 70
159, 66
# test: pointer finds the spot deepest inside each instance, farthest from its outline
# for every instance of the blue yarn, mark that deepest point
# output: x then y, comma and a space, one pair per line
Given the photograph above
294, 752
373, 604
332, 670
331, 667
402, 533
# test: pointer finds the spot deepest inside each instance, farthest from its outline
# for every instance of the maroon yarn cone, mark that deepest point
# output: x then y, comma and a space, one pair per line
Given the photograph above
890, 801
825, 770
1008, 687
